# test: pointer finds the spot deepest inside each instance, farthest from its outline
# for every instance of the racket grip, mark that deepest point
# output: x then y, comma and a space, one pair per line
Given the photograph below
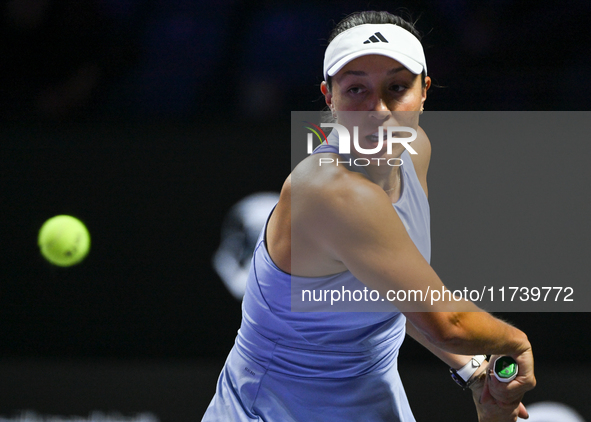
505, 368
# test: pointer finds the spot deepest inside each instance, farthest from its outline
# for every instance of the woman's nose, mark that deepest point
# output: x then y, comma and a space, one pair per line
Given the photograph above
379, 109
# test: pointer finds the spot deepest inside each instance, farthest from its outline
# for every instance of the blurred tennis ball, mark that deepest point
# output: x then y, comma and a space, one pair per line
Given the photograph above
64, 240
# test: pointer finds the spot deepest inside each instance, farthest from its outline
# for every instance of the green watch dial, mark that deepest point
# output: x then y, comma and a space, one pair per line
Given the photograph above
505, 367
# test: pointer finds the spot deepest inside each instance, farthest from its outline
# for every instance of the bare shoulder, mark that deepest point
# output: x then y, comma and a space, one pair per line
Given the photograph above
331, 189
331, 220
317, 204
333, 208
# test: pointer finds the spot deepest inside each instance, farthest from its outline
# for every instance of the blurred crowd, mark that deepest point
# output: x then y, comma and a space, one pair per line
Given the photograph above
132, 59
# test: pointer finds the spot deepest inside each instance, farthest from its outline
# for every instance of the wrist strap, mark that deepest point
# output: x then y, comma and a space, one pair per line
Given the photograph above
466, 371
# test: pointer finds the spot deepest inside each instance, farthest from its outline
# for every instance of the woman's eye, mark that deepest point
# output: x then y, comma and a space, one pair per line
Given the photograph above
397, 88
355, 90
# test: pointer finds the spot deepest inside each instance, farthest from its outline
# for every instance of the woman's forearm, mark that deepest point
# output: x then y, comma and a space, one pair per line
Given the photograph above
482, 333
469, 333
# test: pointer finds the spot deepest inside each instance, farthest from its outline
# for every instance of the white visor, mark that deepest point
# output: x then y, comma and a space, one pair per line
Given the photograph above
384, 39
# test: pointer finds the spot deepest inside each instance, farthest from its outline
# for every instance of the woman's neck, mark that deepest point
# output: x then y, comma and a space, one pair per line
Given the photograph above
385, 176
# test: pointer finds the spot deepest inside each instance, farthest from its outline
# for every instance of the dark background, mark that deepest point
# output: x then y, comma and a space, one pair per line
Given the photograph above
149, 119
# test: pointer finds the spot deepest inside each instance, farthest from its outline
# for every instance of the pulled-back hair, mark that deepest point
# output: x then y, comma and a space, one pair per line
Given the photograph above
371, 17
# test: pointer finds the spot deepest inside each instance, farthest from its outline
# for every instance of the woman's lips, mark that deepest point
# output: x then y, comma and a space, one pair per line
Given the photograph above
375, 137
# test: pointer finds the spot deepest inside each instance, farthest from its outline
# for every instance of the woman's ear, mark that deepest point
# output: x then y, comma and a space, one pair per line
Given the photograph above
327, 94
425, 89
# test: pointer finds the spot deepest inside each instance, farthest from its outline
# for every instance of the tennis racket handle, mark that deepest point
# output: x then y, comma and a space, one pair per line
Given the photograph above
505, 368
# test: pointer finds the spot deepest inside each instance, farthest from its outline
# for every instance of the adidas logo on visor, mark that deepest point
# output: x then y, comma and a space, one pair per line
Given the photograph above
377, 37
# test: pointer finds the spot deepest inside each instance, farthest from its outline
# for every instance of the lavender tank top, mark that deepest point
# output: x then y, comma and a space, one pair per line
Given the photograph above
290, 366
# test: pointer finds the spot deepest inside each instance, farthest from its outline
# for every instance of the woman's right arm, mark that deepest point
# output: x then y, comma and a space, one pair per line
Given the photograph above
353, 221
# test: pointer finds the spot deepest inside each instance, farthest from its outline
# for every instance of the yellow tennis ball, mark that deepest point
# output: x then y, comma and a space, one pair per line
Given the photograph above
64, 240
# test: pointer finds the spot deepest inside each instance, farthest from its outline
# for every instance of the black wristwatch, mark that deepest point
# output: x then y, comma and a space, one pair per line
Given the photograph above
462, 376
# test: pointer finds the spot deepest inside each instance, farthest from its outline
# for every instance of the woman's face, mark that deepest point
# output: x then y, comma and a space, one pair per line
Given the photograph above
373, 91
376, 83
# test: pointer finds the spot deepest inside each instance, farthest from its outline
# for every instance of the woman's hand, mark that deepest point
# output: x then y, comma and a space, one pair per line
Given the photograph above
508, 394
490, 410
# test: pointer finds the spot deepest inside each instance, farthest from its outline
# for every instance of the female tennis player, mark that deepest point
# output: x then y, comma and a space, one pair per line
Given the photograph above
338, 225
